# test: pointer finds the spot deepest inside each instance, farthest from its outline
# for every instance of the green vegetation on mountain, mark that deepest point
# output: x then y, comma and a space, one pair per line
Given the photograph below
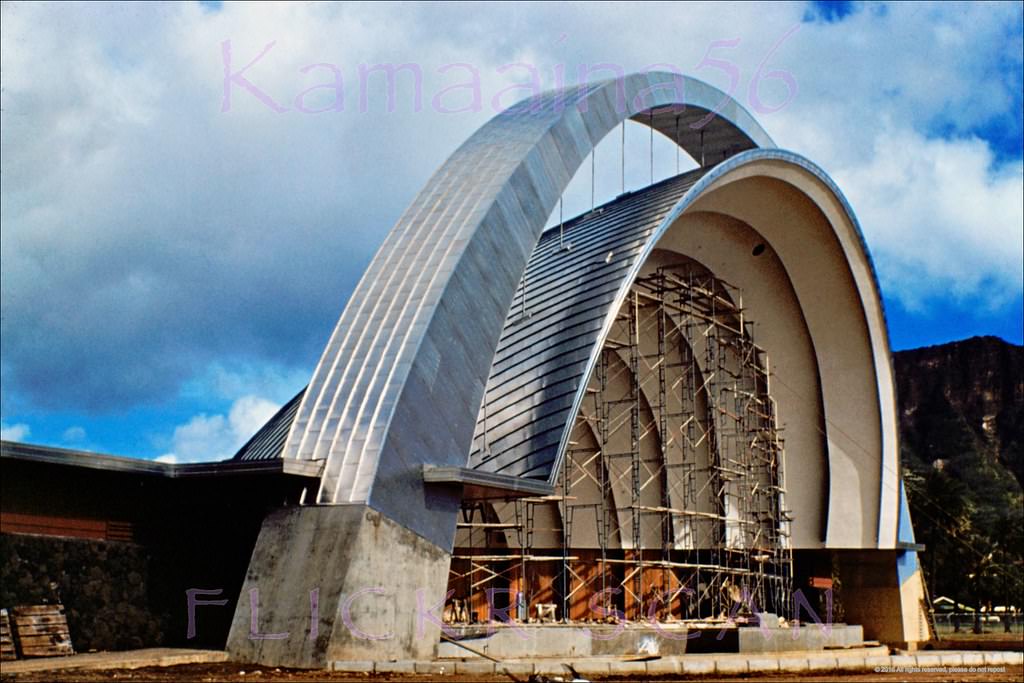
961, 424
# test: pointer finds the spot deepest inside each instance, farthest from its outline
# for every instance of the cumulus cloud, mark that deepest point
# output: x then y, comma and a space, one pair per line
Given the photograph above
156, 247
74, 435
942, 217
268, 380
14, 432
206, 438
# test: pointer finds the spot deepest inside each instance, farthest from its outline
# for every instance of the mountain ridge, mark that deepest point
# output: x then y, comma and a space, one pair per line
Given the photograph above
961, 419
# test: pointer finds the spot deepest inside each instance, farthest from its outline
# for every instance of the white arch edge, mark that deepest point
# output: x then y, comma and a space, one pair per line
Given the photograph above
890, 473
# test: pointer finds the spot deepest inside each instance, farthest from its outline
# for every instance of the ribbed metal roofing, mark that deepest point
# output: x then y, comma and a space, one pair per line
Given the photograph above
540, 359
570, 284
268, 442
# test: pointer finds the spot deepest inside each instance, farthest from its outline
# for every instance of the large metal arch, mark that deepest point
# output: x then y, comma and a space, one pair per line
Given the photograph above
401, 379
817, 187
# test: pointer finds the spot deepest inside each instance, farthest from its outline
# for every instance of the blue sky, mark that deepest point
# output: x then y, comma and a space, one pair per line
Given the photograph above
172, 266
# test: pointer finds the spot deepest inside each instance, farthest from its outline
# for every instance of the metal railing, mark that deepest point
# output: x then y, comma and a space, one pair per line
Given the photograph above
991, 622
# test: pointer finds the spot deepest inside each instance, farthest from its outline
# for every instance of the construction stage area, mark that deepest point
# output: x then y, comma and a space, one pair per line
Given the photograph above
670, 503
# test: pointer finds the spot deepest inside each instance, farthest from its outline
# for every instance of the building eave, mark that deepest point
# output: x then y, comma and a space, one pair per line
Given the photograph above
15, 451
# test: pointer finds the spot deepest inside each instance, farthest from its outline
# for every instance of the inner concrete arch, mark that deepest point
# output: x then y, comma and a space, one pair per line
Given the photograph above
838, 299
808, 224
725, 246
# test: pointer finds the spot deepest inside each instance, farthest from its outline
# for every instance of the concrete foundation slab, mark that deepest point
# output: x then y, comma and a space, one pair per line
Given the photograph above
434, 668
792, 664
590, 667
877, 660
353, 666
732, 665
475, 666
515, 668
698, 667
623, 667
549, 668
974, 658
663, 666
850, 663
579, 640
903, 660
822, 663
404, 666
763, 664
1003, 658
856, 660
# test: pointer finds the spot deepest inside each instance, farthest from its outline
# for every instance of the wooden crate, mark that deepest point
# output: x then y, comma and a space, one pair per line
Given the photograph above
6, 637
41, 631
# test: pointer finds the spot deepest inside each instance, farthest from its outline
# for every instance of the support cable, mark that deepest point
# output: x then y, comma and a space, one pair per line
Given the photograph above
561, 225
623, 151
651, 127
593, 164
677, 144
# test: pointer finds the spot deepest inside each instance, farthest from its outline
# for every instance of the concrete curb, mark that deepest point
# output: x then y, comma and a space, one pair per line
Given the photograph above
132, 659
693, 665
866, 659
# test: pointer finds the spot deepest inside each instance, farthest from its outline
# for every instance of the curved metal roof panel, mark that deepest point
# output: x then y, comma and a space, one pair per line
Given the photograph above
570, 285
540, 359
268, 442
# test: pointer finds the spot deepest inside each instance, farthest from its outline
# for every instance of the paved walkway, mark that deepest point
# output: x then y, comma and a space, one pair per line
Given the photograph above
132, 659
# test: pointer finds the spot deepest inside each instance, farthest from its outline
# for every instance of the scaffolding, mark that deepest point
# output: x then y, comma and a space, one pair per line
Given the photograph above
670, 503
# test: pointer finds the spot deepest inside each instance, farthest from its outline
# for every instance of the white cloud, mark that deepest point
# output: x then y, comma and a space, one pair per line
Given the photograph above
74, 435
273, 382
207, 438
15, 432
942, 219
167, 457
151, 241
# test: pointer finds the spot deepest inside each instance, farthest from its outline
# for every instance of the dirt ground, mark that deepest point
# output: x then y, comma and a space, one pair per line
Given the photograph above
209, 673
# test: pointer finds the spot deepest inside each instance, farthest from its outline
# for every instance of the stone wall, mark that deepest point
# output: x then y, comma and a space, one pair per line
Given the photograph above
105, 586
